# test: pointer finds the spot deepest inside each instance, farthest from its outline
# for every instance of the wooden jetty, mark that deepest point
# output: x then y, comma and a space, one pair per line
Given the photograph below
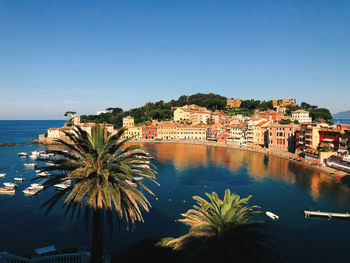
327, 214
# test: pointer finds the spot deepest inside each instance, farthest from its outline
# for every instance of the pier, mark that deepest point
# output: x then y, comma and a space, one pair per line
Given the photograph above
327, 214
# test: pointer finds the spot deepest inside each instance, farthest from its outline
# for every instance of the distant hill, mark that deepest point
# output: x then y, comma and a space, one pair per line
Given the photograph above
342, 115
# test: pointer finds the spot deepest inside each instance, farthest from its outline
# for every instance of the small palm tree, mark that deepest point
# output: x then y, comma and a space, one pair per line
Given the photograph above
222, 231
105, 177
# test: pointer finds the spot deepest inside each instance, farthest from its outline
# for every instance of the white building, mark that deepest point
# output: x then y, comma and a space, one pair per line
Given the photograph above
301, 116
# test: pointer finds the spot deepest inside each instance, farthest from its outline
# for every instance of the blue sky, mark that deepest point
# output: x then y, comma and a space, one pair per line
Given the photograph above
86, 56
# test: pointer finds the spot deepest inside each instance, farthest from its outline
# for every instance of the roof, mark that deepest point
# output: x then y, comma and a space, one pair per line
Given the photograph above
261, 123
304, 111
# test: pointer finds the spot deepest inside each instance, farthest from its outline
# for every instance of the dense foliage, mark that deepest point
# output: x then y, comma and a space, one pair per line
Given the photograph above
159, 110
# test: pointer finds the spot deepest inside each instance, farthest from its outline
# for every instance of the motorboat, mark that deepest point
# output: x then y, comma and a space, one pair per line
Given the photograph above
10, 185
45, 155
2, 175
5, 190
50, 163
37, 186
30, 191
33, 156
43, 174
30, 165
63, 185
23, 154
272, 215
19, 179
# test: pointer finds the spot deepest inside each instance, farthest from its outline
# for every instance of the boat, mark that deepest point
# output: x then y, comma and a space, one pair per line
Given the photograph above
50, 163
271, 215
138, 178
10, 185
29, 165
63, 185
45, 155
5, 190
37, 186
2, 175
36, 153
19, 179
43, 174
23, 154
33, 156
30, 191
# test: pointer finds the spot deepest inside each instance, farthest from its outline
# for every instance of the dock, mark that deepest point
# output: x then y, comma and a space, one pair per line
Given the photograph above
327, 214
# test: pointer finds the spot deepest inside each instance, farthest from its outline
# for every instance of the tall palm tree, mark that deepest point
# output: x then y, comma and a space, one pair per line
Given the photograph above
223, 231
106, 177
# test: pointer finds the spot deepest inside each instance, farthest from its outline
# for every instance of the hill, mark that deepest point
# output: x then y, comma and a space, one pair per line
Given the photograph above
342, 115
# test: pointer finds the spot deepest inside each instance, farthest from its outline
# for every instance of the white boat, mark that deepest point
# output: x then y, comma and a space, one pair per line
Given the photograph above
50, 163
30, 191
37, 186
29, 165
33, 156
23, 154
19, 179
10, 185
63, 185
36, 153
5, 190
138, 178
271, 215
2, 175
45, 155
43, 174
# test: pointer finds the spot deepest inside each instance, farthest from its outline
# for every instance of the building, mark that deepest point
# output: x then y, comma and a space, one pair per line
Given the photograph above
194, 132
301, 116
167, 130
134, 132
149, 132
234, 103
238, 134
260, 132
283, 102
191, 114
329, 139
282, 137
128, 121
270, 115
312, 136
344, 142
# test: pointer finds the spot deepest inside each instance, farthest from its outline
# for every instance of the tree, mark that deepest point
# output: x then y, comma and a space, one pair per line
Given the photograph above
222, 231
70, 114
105, 180
115, 110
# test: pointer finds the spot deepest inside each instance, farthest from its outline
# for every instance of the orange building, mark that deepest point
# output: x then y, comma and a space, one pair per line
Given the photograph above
149, 132
235, 103
282, 137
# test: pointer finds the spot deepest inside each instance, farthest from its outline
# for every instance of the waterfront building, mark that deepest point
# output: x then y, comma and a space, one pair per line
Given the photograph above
282, 137
302, 116
149, 132
167, 130
344, 142
260, 132
312, 137
128, 121
234, 103
134, 132
213, 130
238, 134
329, 139
196, 132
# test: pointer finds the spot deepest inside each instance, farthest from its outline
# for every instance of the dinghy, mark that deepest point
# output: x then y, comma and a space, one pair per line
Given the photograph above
10, 185
272, 215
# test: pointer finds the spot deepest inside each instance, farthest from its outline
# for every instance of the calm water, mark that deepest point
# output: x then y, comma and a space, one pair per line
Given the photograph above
277, 185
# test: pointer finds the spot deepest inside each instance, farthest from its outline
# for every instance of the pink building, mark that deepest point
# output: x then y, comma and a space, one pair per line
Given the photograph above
282, 137
259, 132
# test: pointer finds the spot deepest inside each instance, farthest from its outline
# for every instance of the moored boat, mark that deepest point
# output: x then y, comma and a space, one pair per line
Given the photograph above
30, 165
19, 179
5, 190
22, 154
33, 156
10, 185
37, 186
272, 215
2, 175
30, 191
63, 185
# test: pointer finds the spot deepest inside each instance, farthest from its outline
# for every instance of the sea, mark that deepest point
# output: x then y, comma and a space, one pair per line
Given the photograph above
183, 170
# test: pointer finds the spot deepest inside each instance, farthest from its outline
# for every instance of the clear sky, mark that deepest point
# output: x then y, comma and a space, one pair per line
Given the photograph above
87, 56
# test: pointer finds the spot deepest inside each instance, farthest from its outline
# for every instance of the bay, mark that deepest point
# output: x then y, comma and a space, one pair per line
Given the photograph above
281, 186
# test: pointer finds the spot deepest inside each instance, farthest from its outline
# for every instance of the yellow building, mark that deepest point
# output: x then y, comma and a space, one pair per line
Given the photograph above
167, 130
235, 103
193, 114
128, 121
283, 102
197, 132
134, 132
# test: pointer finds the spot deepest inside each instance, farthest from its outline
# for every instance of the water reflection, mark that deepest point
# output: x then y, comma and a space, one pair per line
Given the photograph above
317, 183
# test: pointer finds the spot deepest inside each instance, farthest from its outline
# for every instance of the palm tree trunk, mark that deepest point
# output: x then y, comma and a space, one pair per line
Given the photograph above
97, 236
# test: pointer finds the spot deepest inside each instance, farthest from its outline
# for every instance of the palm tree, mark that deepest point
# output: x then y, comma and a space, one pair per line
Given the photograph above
222, 231
106, 177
